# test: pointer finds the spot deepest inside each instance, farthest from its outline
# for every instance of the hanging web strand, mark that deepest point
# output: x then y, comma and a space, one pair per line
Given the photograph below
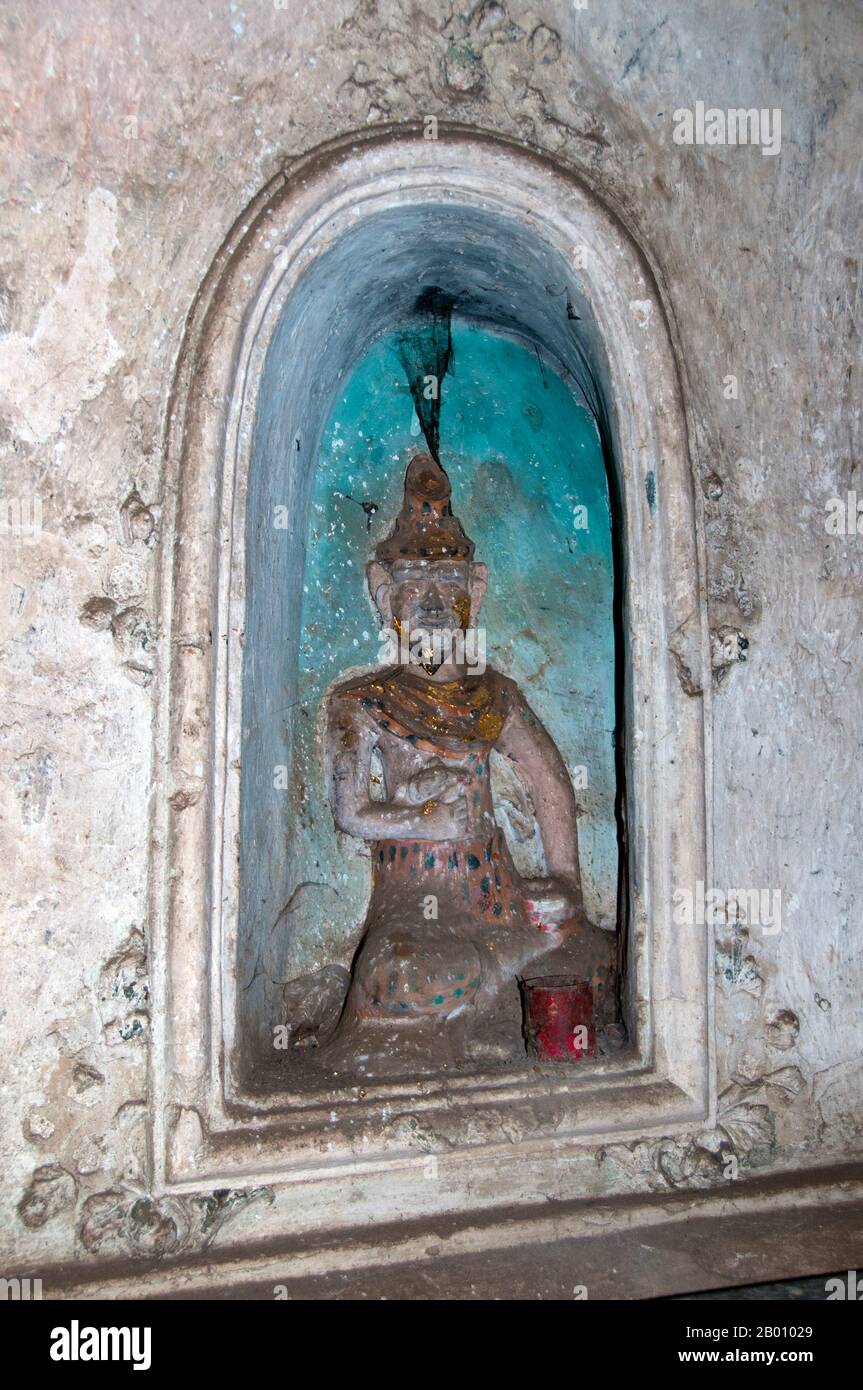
426, 354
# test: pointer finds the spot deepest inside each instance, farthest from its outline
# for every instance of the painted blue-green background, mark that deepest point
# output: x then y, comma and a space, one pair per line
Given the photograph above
522, 457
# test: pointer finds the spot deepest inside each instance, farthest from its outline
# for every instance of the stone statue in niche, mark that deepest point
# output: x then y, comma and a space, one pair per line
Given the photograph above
450, 926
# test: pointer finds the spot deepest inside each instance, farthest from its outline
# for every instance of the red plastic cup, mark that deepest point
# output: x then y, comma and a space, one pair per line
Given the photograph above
559, 1018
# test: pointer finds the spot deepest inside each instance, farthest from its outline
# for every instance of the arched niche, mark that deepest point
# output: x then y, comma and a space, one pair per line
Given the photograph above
501, 275
530, 485
322, 263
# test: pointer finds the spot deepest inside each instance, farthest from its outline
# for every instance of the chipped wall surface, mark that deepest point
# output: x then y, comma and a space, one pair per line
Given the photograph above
135, 136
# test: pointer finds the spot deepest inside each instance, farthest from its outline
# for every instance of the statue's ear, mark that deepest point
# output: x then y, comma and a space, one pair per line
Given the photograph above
478, 586
380, 583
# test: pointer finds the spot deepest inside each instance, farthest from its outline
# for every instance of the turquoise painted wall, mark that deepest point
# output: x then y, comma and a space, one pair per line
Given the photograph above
522, 457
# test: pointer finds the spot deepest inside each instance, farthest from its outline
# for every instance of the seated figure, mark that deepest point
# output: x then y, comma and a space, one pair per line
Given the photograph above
450, 926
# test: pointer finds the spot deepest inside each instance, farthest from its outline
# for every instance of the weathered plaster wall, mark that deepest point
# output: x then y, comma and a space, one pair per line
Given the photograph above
134, 136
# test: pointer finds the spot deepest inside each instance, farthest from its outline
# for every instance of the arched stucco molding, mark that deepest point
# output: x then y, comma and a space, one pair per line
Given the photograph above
289, 231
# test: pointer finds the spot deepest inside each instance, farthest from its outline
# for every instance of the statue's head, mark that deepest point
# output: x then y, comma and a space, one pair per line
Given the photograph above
424, 574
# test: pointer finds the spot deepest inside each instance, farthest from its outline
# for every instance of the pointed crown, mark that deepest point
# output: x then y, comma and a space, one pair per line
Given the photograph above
425, 528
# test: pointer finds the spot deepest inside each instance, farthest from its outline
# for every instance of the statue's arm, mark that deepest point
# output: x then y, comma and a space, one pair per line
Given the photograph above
350, 741
527, 744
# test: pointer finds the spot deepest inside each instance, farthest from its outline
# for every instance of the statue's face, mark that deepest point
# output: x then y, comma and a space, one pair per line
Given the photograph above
431, 594
427, 595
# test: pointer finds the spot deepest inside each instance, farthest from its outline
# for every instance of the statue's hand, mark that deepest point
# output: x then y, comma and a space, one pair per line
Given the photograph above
444, 821
550, 902
437, 783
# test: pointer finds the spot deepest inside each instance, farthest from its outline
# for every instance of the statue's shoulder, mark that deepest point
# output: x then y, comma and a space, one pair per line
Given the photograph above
359, 689
506, 691
507, 696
